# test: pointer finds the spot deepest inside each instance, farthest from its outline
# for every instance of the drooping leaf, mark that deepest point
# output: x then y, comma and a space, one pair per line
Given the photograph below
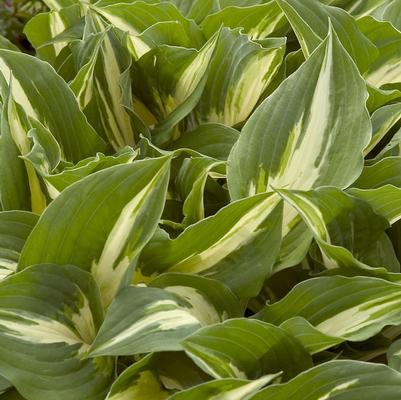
212, 140
238, 245
48, 318
244, 348
258, 21
150, 319
224, 389
353, 309
343, 379
347, 230
156, 376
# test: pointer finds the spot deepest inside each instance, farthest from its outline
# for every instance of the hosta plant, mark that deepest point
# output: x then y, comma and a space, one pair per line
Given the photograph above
202, 200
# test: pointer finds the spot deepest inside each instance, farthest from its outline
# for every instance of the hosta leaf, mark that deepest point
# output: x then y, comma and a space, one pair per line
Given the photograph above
341, 379
383, 120
238, 245
59, 4
7, 45
311, 338
394, 355
5, 385
237, 78
46, 97
310, 21
277, 152
347, 230
380, 97
258, 21
45, 153
385, 201
44, 27
191, 181
362, 8
380, 186
212, 300
385, 172
156, 376
15, 124
244, 348
135, 17
15, 226
353, 309
48, 318
69, 175
212, 140
142, 320
148, 319
14, 184
385, 68
224, 389
392, 13
170, 80
98, 84
95, 221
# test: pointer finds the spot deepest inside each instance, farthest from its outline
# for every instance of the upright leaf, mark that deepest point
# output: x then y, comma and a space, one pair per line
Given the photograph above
96, 220
240, 71
44, 96
298, 138
310, 20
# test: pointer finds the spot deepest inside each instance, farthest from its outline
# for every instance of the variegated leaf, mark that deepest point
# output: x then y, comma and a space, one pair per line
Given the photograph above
191, 182
170, 81
49, 316
96, 220
149, 319
237, 78
347, 230
15, 226
224, 389
385, 69
230, 246
277, 152
341, 379
156, 376
43, 28
212, 140
44, 96
310, 20
98, 84
352, 309
245, 348
257, 21
138, 16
